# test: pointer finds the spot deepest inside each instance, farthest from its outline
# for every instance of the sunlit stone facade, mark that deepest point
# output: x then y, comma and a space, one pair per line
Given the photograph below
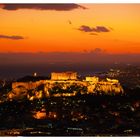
93, 79
63, 76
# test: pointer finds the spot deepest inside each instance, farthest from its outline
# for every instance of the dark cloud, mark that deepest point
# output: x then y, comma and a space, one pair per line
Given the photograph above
97, 29
93, 34
57, 7
85, 28
101, 29
14, 37
97, 50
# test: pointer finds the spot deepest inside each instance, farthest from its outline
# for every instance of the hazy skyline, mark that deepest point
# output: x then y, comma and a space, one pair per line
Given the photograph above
96, 56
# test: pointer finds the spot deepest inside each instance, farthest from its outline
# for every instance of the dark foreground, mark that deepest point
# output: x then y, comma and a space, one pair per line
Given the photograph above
83, 115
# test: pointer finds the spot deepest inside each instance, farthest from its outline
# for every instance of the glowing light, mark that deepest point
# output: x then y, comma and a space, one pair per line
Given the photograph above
35, 74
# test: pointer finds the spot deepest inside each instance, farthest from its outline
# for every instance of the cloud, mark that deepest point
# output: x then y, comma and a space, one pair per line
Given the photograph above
101, 29
97, 29
57, 7
85, 28
97, 50
14, 37
93, 34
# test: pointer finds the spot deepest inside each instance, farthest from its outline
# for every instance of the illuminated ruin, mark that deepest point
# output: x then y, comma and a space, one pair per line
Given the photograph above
65, 84
63, 76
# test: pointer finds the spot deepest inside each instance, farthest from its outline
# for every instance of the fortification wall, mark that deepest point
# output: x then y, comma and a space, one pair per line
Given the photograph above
28, 85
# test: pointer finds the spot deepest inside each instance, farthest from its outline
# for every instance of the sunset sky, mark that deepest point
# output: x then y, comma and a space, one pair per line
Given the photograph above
106, 28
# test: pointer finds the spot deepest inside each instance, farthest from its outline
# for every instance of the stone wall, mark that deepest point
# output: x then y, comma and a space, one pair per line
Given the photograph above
28, 85
64, 76
93, 79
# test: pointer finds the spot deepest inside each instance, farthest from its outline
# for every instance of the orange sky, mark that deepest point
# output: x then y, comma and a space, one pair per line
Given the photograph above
51, 30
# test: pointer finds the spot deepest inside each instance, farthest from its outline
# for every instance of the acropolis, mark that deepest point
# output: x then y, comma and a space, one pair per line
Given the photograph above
65, 84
